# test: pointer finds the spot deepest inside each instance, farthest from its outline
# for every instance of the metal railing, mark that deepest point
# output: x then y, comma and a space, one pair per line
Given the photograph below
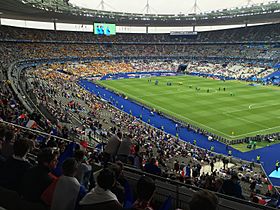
181, 193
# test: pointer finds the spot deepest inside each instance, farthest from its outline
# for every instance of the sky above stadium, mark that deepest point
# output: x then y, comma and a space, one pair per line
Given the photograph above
163, 6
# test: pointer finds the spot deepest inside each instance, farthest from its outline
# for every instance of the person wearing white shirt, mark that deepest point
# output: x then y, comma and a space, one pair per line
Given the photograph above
67, 188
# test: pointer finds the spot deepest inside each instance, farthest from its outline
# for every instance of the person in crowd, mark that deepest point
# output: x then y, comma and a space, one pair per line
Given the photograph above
187, 171
31, 138
68, 190
203, 199
7, 147
37, 179
120, 176
101, 197
124, 148
151, 167
145, 190
112, 147
15, 167
253, 185
212, 166
84, 170
2, 140
176, 166
137, 160
118, 188
232, 187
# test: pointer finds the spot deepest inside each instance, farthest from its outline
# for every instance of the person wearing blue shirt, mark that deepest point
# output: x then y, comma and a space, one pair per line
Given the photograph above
101, 29
151, 167
108, 31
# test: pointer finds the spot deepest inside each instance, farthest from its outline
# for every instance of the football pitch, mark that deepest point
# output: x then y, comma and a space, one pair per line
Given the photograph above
238, 111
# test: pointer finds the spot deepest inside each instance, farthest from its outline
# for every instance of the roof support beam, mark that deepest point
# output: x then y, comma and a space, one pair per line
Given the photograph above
54, 24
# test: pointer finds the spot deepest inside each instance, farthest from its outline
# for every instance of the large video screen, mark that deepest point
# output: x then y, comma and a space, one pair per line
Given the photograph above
104, 29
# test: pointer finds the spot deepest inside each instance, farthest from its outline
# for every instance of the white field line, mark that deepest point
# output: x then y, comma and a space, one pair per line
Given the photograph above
257, 107
182, 116
249, 121
161, 94
166, 93
266, 128
250, 107
258, 131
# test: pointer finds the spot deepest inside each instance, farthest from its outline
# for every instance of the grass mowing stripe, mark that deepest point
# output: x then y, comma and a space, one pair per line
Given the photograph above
206, 110
169, 112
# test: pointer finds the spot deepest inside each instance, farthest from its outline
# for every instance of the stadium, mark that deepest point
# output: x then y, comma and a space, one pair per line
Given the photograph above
117, 109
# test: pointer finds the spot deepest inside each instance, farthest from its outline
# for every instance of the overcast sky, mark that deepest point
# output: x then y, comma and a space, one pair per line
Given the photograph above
163, 6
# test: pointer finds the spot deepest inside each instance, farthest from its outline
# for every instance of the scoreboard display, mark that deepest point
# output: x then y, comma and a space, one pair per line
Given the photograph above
104, 29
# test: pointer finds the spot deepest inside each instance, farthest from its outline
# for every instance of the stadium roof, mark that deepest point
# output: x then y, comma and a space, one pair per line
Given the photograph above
60, 10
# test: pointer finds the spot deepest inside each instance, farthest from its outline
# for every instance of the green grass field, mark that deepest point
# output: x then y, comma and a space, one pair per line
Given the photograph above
243, 147
250, 111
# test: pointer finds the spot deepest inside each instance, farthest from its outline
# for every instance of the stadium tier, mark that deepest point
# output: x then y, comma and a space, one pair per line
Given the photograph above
265, 33
90, 122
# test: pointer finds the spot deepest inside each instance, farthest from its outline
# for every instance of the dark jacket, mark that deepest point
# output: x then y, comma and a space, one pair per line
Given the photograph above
12, 173
232, 189
118, 190
35, 182
153, 169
